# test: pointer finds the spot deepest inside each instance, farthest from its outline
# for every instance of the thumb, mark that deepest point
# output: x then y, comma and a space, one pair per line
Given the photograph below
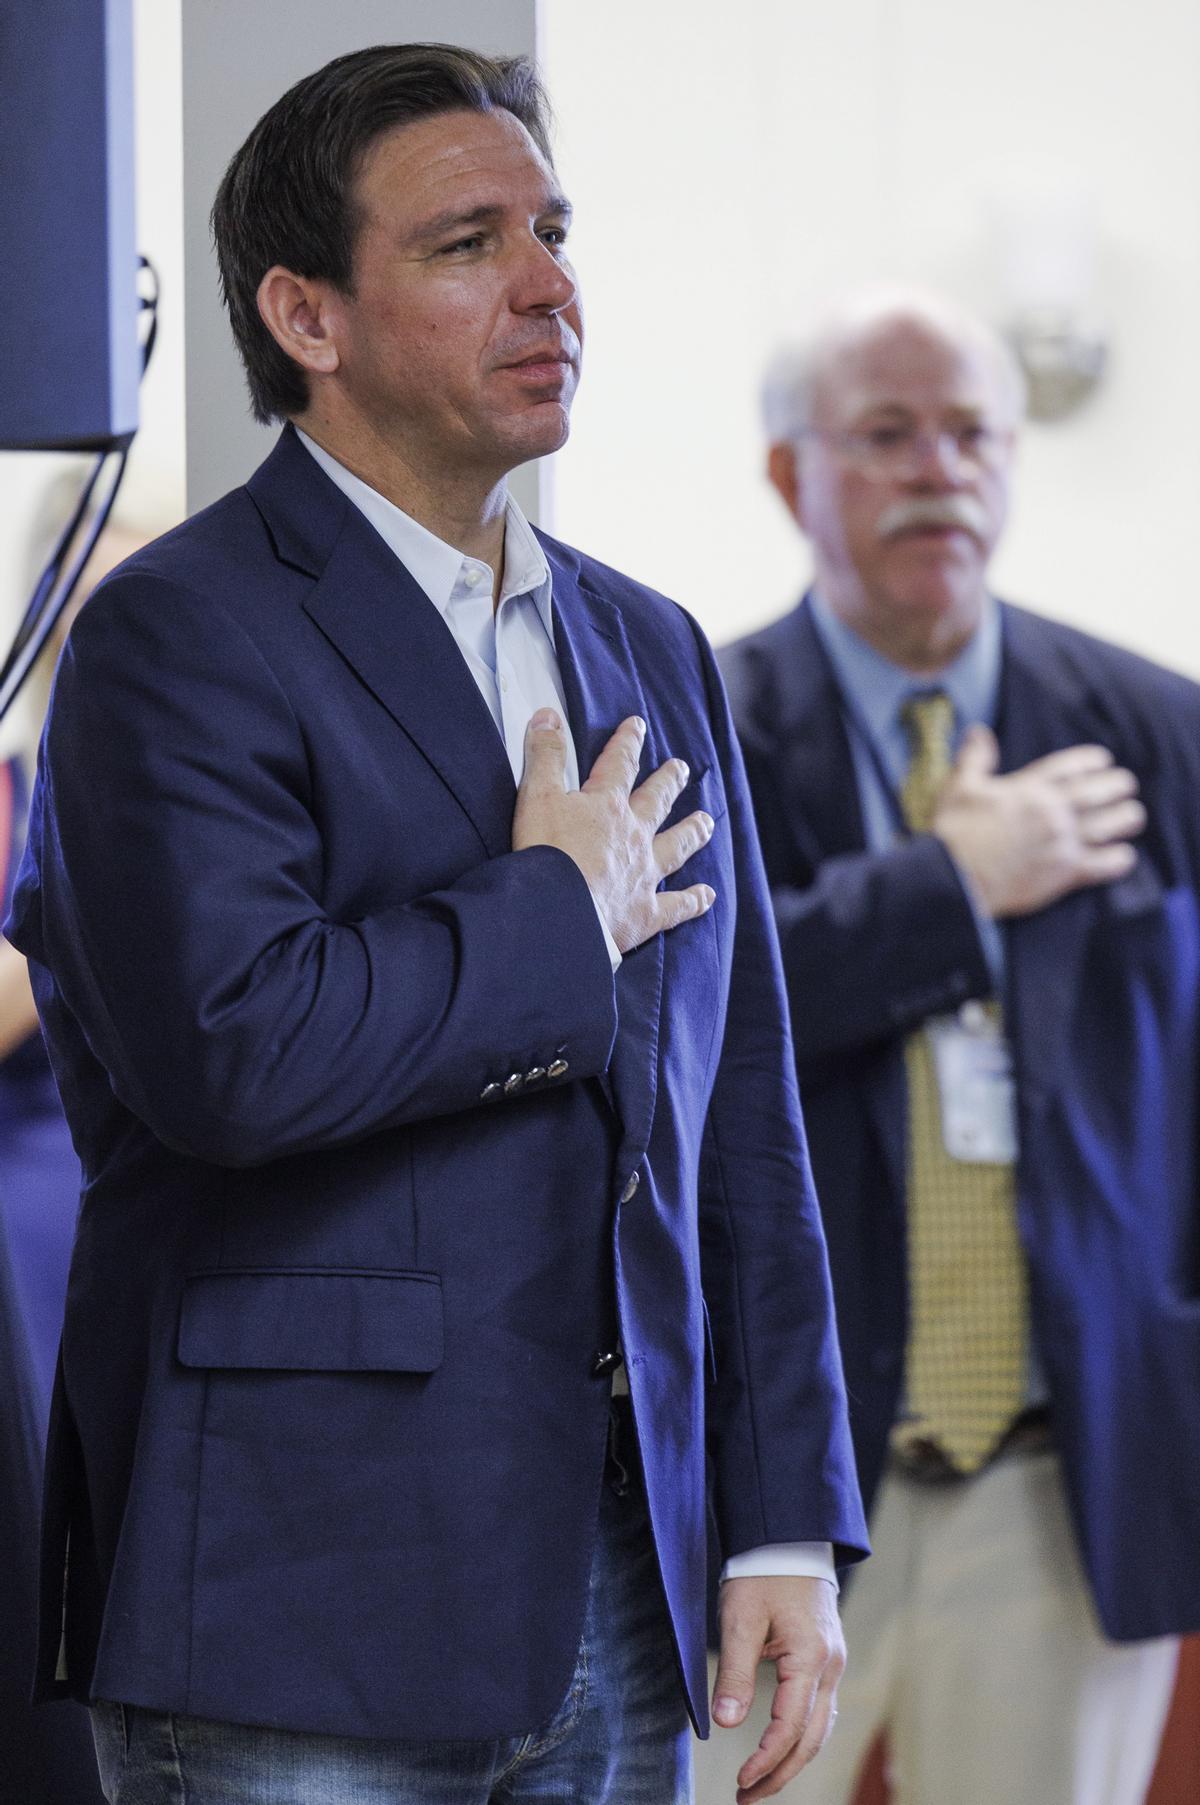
545, 753
733, 1690
979, 754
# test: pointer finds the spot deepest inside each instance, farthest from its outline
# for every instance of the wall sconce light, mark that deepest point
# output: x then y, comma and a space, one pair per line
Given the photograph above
1044, 239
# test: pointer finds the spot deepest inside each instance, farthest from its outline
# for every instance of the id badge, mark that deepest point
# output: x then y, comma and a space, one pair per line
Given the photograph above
973, 1065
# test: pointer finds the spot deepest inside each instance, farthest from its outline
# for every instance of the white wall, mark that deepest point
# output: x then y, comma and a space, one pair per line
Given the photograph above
734, 165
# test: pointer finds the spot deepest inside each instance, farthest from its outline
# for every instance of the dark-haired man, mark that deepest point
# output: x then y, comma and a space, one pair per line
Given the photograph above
426, 1100
981, 835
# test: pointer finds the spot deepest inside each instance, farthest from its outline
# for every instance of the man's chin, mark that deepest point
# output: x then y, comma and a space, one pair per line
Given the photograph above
539, 432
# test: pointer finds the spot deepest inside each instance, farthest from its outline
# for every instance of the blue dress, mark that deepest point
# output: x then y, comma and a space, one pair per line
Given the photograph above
46, 1755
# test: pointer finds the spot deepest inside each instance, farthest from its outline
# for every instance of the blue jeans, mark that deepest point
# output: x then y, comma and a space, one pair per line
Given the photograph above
620, 1736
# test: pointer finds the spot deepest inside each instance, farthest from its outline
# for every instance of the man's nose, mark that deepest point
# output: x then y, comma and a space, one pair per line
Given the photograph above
541, 282
936, 462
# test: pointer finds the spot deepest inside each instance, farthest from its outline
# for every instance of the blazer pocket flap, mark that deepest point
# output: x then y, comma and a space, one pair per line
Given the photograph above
312, 1321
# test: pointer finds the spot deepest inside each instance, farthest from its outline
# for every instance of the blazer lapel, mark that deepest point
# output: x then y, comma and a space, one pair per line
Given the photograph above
390, 634
601, 688
1046, 703
821, 793
817, 775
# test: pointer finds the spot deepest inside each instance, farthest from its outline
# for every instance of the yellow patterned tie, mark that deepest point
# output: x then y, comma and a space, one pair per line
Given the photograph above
968, 1306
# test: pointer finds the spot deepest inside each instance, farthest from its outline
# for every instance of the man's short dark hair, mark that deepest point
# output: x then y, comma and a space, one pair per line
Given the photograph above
287, 196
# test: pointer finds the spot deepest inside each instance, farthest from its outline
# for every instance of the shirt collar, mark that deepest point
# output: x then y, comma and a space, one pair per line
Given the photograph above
878, 688
442, 571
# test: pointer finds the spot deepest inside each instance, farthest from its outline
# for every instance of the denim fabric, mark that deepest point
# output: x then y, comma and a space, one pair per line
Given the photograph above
620, 1736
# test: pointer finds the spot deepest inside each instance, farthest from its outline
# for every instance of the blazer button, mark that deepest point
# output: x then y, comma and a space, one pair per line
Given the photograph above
604, 1364
513, 1083
558, 1068
490, 1092
535, 1074
631, 1187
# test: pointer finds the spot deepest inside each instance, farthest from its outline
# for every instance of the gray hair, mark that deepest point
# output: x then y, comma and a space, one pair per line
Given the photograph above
795, 369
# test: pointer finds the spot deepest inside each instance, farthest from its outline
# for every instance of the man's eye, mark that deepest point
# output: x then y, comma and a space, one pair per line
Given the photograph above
973, 435
463, 244
554, 236
887, 438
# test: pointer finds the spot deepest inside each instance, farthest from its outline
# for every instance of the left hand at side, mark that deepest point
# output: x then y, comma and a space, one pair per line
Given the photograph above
794, 1622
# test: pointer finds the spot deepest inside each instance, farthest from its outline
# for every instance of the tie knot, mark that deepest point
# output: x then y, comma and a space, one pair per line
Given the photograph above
929, 722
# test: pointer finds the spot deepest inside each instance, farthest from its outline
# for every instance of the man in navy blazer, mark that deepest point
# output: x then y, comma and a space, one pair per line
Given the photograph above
436, 1114
1015, 1628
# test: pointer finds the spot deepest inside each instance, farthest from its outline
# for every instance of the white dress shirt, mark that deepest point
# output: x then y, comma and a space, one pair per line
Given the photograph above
509, 650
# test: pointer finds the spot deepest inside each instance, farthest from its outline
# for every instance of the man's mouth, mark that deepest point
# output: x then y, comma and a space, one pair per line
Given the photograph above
545, 363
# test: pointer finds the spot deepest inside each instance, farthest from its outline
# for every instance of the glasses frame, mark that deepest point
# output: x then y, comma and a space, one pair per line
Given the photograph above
920, 443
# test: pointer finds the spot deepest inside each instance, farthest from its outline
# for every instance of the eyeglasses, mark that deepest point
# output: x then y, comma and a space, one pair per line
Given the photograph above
899, 453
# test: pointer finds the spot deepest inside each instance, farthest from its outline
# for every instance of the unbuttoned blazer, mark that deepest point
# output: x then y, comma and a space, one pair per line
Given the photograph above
1103, 1010
379, 1157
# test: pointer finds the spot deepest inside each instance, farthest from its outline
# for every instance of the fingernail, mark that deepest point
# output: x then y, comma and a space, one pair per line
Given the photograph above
545, 721
684, 772
727, 1709
706, 822
710, 895
640, 725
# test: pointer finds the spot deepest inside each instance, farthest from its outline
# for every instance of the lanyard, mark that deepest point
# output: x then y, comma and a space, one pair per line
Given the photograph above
862, 733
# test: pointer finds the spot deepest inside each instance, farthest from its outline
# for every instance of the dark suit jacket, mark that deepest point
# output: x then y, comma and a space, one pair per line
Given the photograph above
328, 1442
1102, 1007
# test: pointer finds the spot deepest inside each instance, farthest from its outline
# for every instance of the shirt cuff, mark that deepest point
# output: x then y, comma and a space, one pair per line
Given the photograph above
614, 951
778, 1560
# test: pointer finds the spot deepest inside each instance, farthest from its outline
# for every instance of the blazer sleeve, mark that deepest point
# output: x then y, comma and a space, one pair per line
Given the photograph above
176, 898
779, 1440
873, 946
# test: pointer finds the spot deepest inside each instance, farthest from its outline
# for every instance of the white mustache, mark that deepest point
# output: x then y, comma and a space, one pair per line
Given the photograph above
933, 510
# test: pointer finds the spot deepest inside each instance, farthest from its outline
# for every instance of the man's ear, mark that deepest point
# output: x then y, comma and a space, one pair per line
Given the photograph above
296, 312
783, 472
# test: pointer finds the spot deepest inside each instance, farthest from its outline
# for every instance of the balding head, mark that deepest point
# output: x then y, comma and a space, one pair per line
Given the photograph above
891, 433
868, 325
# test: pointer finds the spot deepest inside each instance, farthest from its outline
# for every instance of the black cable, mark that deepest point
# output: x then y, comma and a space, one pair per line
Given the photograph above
52, 593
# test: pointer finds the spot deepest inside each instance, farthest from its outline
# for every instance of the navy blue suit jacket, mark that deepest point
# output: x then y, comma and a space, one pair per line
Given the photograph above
327, 1443
1103, 1009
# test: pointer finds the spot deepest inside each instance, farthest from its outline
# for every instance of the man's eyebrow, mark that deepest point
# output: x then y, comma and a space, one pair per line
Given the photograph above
443, 224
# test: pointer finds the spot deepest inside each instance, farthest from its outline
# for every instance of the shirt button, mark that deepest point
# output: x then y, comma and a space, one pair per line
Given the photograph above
513, 1083
474, 578
558, 1068
631, 1187
535, 1074
490, 1092
604, 1364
